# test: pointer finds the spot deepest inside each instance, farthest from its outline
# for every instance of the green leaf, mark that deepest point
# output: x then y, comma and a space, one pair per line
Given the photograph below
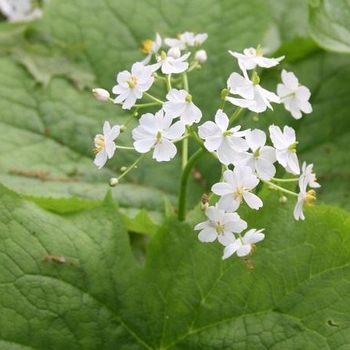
329, 24
185, 297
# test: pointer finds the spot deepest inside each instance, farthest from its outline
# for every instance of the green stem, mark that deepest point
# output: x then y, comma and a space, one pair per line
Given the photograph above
235, 114
132, 166
279, 188
184, 182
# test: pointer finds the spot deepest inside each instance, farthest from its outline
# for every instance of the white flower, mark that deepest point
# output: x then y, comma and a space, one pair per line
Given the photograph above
131, 86
237, 187
186, 39
180, 104
220, 225
156, 131
171, 62
285, 144
150, 48
254, 57
304, 197
227, 143
308, 177
294, 96
19, 10
104, 144
262, 157
243, 245
255, 98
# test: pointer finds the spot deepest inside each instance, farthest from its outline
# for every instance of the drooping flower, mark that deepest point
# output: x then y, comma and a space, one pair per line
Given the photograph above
156, 131
262, 157
227, 143
171, 62
150, 48
285, 144
132, 85
180, 104
294, 96
237, 186
254, 97
304, 197
254, 57
242, 246
104, 144
186, 39
220, 225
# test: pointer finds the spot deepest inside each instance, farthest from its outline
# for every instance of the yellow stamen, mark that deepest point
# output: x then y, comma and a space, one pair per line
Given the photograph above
147, 46
310, 198
99, 143
132, 82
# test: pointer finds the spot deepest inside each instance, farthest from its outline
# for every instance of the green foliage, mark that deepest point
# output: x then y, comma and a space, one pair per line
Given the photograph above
292, 292
329, 24
109, 293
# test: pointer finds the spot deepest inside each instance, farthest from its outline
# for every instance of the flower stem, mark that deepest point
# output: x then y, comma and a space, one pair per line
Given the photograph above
132, 166
184, 182
235, 114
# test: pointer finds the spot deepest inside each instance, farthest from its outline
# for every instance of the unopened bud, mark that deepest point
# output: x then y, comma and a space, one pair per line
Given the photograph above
283, 199
101, 95
113, 182
224, 93
174, 52
201, 56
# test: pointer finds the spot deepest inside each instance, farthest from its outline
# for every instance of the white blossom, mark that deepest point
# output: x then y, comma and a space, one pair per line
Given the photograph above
131, 86
242, 246
227, 143
304, 197
285, 145
104, 144
19, 10
171, 62
254, 57
156, 131
220, 225
237, 186
180, 104
294, 96
254, 97
186, 39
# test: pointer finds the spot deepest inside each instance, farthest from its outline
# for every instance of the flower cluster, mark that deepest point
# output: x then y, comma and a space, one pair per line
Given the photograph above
248, 157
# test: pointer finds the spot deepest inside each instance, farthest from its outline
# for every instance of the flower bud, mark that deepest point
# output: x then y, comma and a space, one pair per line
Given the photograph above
113, 182
101, 95
283, 199
201, 56
174, 52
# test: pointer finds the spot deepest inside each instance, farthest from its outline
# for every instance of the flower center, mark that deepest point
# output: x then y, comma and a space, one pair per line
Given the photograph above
238, 194
292, 147
219, 228
147, 46
100, 143
159, 136
132, 82
256, 154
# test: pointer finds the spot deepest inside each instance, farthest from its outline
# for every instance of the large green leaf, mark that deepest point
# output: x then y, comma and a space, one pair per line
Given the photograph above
185, 297
329, 24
